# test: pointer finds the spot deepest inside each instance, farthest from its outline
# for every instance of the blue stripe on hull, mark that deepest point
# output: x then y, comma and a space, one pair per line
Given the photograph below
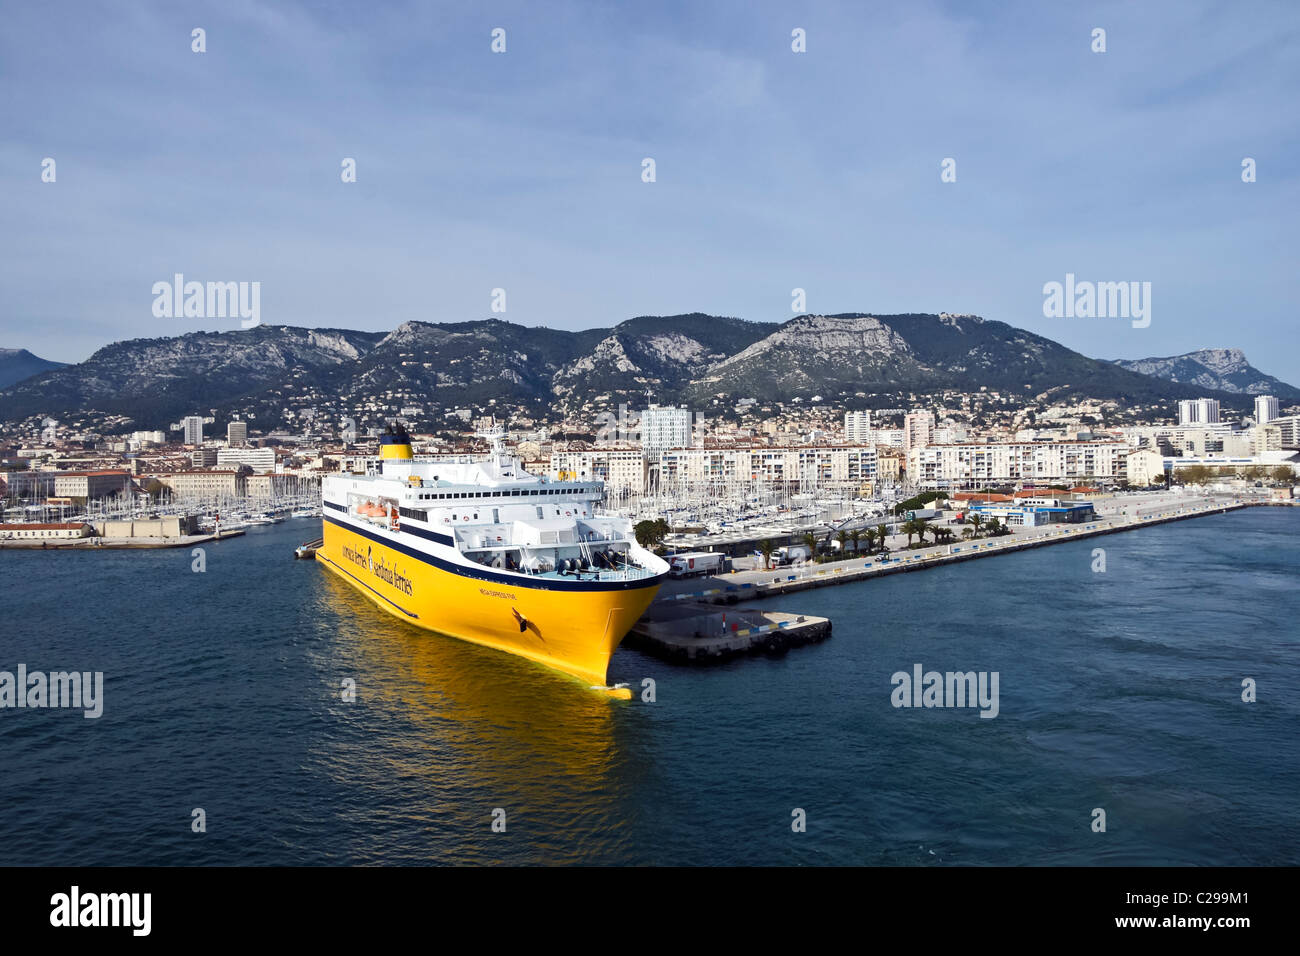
344, 570
497, 577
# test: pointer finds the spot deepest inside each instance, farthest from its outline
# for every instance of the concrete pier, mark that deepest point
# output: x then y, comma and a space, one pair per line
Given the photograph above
697, 632
102, 544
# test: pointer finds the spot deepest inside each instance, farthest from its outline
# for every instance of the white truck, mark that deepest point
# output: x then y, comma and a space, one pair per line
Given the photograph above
791, 554
695, 563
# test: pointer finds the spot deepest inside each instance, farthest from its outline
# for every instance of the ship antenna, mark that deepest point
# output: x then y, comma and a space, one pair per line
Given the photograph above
495, 437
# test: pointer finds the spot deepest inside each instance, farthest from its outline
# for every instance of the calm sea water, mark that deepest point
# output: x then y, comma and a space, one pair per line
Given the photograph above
1119, 690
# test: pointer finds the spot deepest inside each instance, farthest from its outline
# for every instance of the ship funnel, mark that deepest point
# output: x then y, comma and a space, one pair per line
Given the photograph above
395, 444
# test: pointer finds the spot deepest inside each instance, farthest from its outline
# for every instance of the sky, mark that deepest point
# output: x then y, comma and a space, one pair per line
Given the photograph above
774, 170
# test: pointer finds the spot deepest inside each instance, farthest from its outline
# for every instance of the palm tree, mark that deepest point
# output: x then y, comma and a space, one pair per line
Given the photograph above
922, 526
810, 542
842, 538
882, 533
967, 533
976, 520
855, 536
766, 548
909, 529
995, 527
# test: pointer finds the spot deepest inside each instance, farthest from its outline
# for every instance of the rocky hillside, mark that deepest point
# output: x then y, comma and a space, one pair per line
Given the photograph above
155, 381
832, 355
270, 373
1223, 370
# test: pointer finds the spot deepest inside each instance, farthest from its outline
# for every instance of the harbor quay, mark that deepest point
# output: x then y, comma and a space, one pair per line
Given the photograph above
744, 584
169, 531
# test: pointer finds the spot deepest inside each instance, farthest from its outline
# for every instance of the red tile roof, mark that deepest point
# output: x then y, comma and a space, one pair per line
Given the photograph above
974, 496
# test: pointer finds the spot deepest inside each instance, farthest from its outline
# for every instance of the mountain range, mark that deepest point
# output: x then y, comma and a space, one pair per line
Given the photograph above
850, 359
1223, 370
19, 364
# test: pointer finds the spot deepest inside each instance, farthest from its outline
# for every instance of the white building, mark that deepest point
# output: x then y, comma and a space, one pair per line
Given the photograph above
193, 426
972, 465
621, 469
804, 468
1289, 430
1144, 465
261, 460
1198, 411
1265, 409
665, 427
857, 427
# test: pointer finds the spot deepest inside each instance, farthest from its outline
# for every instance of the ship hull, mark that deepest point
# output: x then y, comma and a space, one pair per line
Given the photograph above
571, 627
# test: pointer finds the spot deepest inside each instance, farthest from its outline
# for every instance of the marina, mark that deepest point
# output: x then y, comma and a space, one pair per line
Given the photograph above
756, 583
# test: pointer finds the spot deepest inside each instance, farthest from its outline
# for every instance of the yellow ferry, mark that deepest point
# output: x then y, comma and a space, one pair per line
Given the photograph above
482, 550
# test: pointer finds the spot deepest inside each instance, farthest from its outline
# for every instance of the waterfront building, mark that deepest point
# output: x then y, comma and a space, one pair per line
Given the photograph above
621, 469
1229, 466
90, 484
27, 484
46, 531
258, 459
804, 468
969, 465
1143, 465
1036, 511
203, 484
